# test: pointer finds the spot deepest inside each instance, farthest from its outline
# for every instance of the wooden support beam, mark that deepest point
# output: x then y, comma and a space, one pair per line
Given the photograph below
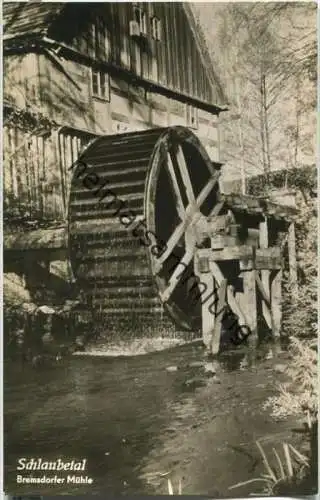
220, 310
216, 224
292, 255
268, 258
216, 209
266, 305
276, 301
263, 233
236, 309
203, 264
36, 239
249, 257
265, 273
221, 241
264, 293
246, 264
213, 226
232, 253
207, 311
247, 298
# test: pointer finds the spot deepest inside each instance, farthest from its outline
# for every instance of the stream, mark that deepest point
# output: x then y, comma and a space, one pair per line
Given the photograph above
142, 420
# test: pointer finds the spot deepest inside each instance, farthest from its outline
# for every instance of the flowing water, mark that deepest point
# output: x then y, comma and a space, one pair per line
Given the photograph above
139, 423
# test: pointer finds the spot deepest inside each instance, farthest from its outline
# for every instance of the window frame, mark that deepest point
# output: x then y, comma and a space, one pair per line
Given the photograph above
100, 39
98, 95
192, 113
143, 24
156, 28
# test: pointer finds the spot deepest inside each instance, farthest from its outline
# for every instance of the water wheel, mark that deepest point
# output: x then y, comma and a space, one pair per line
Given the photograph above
137, 204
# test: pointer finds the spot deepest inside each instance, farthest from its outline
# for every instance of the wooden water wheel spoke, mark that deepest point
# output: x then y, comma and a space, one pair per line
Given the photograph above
177, 274
185, 174
175, 187
171, 244
206, 191
216, 209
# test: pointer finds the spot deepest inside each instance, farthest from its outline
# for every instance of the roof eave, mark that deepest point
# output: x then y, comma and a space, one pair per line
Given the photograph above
12, 44
206, 58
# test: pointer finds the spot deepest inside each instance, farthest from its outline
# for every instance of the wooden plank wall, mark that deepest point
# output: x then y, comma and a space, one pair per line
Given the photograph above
36, 172
36, 179
174, 61
37, 167
24, 170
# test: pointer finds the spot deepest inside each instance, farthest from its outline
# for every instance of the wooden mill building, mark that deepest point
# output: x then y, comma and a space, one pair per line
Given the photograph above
135, 84
85, 69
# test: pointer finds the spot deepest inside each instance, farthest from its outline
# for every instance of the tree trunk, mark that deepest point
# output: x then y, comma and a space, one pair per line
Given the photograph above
266, 125
262, 129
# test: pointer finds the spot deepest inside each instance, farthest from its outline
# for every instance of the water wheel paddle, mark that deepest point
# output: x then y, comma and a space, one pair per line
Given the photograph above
138, 204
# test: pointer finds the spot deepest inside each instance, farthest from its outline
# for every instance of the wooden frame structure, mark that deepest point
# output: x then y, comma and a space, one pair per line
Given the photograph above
150, 232
253, 244
227, 247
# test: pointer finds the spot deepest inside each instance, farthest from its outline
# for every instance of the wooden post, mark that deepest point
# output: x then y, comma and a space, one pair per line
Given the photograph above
267, 301
232, 302
265, 273
220, 310
247, 299
207, 299
276, 301
292, 255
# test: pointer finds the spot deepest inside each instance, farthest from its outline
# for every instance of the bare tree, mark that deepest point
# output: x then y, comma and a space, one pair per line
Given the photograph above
266, 55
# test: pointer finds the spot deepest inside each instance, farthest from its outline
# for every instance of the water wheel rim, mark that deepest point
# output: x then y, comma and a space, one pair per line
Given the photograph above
172, 152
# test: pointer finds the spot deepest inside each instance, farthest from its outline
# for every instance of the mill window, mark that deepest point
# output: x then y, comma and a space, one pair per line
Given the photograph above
141, 18
192, 119
100, 40
156, 28
100, 85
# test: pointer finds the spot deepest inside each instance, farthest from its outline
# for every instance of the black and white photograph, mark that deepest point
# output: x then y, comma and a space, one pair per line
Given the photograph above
160, 319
